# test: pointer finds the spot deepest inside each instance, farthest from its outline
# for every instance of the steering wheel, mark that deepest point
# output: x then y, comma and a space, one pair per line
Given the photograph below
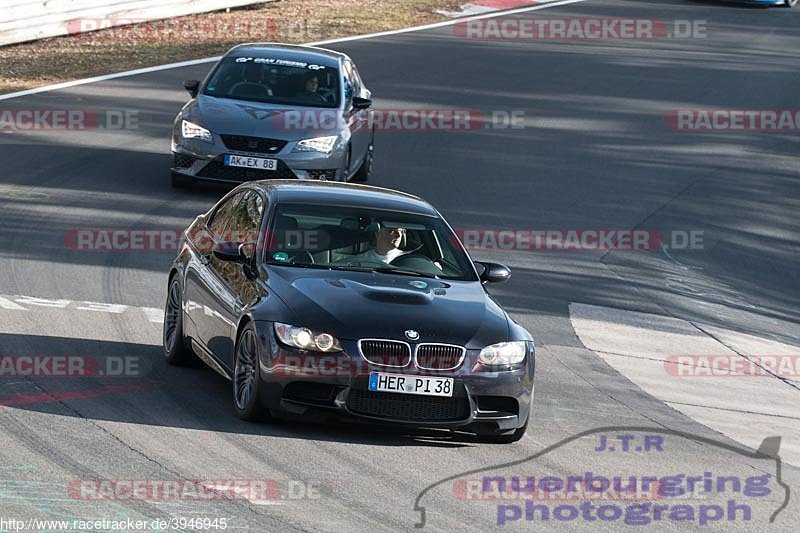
326, 94
248, 88
306, 95
411, 252
419, 262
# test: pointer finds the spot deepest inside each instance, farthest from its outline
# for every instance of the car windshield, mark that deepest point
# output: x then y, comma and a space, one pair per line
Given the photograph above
272, 80
371, 240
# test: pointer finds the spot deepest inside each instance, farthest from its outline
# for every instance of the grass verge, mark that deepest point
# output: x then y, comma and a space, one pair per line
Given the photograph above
28, 65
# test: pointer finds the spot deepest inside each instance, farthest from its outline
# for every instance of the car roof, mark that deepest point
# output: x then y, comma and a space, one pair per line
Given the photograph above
290, 52
348, 194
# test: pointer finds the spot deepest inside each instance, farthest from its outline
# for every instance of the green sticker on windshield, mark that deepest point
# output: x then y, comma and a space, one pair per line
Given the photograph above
280, 256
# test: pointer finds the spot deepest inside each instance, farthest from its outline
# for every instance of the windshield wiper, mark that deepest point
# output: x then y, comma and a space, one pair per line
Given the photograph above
379, 270
400, 271
319, 266
298, 265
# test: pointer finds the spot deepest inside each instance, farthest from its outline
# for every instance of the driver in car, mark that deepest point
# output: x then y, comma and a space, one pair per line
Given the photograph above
386, 248
310, 92
311, 84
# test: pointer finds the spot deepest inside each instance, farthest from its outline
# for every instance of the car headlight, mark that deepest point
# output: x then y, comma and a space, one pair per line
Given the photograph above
306, 339
317, 144
190, 130
504, 353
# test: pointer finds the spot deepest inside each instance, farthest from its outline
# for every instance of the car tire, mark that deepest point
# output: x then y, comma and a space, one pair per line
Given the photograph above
365, 170
791, 3
180, 181
176, 352
505, 438
247, 377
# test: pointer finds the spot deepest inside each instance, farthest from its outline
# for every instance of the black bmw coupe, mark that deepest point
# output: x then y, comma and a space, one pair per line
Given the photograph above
355, 300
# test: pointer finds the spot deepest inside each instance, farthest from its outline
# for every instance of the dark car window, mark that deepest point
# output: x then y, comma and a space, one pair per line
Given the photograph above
359, 81
351, 86
245, 218
349, 238
273, 80
239, 218
355, 79
218, 220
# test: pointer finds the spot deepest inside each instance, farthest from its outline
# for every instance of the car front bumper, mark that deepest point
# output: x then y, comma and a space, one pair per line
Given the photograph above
483, 401
202, 161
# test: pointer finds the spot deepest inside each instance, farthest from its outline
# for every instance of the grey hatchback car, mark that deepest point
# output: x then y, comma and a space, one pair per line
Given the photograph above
275, 111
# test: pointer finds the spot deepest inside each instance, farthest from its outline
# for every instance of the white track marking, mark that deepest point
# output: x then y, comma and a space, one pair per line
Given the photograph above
5, 303
154, 315
31, 303
42, 302
243, 494
476, 7
105, 77
745, 408
102, 308
157, 68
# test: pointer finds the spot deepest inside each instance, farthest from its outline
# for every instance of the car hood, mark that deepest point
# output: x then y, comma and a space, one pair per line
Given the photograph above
254, 119
355, 305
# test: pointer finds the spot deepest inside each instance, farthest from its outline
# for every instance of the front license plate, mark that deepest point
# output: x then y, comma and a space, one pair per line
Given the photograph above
379, 381
251, 162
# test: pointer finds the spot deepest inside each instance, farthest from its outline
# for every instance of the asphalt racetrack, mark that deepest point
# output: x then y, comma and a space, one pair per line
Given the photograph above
595, 150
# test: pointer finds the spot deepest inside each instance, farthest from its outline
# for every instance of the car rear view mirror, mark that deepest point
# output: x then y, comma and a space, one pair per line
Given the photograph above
493, 272
247, 251
361, 103
192, 86
235, 252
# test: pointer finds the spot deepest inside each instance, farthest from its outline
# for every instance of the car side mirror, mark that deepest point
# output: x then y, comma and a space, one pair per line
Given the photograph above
361, 103
494, 272
192, 87
235, 252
